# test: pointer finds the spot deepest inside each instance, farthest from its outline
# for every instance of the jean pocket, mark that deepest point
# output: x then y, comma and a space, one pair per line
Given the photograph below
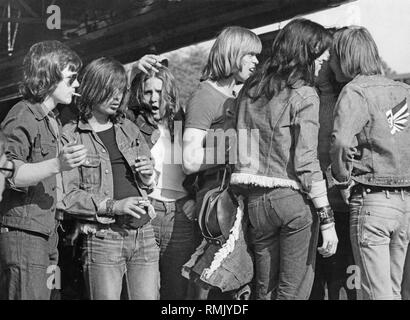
103, 249
374, 229
291, 209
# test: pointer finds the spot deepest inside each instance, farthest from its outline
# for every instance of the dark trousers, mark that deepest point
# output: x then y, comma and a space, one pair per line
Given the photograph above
332, 273
27, 263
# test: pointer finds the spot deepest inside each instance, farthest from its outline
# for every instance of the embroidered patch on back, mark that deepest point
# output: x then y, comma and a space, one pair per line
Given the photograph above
397, 117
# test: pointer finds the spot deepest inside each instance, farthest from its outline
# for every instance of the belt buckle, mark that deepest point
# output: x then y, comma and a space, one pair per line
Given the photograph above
4, 230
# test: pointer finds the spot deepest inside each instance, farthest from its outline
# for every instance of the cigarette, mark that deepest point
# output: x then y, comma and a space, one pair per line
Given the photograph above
76, 94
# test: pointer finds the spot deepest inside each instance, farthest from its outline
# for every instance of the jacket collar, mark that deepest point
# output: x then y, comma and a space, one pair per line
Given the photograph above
145, 126
38, 109
85, 126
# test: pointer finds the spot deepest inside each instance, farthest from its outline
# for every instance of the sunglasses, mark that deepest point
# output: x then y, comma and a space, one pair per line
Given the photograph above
71, 79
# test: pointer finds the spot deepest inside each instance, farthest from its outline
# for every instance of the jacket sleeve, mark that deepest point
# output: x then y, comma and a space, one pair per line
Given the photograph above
306, 162
19, 127
350, 116
77, 201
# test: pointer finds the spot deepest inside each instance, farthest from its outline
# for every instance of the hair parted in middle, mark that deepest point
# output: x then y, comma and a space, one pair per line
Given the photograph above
100, 80
170, 104
292, 59
356, 51
231, 45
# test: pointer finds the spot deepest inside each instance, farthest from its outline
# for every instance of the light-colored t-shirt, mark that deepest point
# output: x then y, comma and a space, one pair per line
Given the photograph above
168, 166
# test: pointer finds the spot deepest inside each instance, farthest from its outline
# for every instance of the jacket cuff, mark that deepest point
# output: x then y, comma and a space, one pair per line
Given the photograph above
151, 182
10, 181
340, 184
318, 194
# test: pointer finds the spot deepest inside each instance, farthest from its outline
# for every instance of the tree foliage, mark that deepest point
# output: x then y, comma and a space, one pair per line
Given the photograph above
186, 65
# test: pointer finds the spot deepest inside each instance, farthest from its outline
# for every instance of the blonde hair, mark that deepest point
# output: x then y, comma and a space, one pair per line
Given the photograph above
356, 51
231, 45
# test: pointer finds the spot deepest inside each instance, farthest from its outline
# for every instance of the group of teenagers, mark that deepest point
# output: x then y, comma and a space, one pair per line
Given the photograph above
328, 189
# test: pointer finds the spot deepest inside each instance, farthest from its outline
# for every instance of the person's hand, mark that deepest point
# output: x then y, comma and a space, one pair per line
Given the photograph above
346, 192
71, 156
149, 62
133, 206
330, 241
189, 209
144, 166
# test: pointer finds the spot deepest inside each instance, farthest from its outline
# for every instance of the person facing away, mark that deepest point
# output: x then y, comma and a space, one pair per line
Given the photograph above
28, 240
282, 178
155, 108
370, 161
332, 273
108, 193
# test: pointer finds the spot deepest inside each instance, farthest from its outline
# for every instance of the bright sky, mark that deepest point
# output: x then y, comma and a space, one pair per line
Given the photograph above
387, 20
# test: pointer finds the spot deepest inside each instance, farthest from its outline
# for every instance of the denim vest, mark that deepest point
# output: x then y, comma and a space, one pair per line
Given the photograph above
86, 187
277, 140
371, 133
31, 139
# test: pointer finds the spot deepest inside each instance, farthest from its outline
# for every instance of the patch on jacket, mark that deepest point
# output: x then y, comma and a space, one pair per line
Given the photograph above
397, 117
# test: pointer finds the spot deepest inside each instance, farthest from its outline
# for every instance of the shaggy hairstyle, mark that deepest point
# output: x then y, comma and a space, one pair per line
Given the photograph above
356, 51
42, 67
170, 105
100, 81
292, 59
231, 45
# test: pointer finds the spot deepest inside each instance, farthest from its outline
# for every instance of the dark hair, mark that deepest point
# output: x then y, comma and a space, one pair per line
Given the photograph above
100, 80
42, 67
170, 105
292, 59
231, 45
356, 51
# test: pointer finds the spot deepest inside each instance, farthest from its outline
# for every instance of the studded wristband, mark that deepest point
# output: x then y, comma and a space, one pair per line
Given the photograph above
325, 215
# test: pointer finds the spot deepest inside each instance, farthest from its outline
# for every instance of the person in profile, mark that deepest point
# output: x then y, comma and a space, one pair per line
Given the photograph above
28, 238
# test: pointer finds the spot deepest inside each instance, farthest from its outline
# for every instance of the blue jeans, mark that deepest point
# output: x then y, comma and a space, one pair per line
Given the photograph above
174, 232
113, 253
405, 285
379, 227
284, 233
25, 258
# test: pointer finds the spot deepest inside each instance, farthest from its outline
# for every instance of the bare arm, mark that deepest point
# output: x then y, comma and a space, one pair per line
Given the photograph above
194, 154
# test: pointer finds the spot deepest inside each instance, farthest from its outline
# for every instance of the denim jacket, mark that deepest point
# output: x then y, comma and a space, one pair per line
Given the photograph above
31, 139
371, 133
284, 138
86, 187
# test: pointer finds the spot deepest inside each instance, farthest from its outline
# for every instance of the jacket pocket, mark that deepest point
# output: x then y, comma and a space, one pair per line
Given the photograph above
91, 171
43, 152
